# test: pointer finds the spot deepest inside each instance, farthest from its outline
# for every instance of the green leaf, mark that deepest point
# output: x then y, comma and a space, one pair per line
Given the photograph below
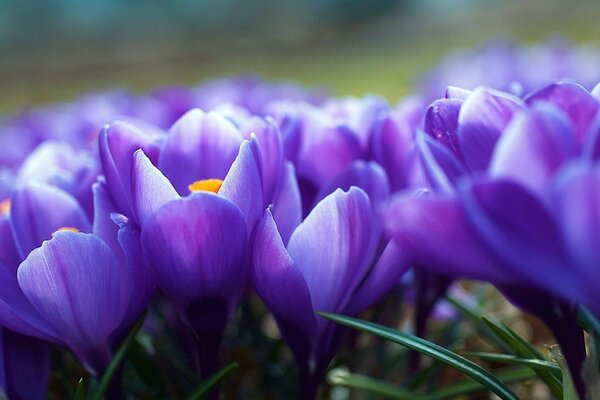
569, 390
116, 361
474, 314
207, 385
470, 387
454, 360
80, 392
523, 349
533, 363
340, 377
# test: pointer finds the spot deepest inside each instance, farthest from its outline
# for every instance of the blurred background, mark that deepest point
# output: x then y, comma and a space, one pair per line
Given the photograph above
54, 50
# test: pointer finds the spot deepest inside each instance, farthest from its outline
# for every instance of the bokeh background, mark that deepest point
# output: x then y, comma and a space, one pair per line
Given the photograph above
54, 50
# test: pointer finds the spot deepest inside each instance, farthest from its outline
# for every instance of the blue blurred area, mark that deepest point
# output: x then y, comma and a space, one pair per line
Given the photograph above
35, 23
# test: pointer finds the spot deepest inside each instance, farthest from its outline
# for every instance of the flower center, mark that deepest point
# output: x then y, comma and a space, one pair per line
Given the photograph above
206, 185
66, 229
4, 207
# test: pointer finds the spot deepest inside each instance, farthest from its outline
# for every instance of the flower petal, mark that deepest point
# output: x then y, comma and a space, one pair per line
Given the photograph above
75, 282
520, 230
271, 151
196, 246
434, 234
117, 143
334, 247
482, 118
281, 286
150, 188
573, 99
37, 210
243, 184
287, 205
441, 123
199, 146
369, 176
533, 147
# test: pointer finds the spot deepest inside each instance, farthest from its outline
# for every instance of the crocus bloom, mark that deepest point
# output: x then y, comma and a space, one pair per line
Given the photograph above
336, 261
516, 193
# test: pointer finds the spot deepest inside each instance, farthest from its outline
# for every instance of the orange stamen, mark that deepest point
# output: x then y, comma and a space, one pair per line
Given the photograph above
5, 206
66, 229
207, 185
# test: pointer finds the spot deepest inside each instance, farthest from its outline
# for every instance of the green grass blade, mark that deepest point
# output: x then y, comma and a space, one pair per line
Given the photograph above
80, 392
569, 390
474, 315
339, 377
116, 361
205, 386
469, 387
454, 360
532, 363
523, 349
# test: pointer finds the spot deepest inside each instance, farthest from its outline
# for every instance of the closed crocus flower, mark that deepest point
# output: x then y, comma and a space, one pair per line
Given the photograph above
197, 244
335, 261
510, 216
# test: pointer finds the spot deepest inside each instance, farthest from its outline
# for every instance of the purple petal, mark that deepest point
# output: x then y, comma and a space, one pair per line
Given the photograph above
16, 313
271, 150
369, 176
533, 147
199, 146
577, 200
150, 188
453, 92
334, 247
483, 117
243, 184
573, 99
104, 227
196, 246
383, 277
325, 150
520, 230
118, 142
441, 123
8, 249
287, 206
37, 210
74, 280
390, 146
442, 169
27, 364
435, 235
281, 286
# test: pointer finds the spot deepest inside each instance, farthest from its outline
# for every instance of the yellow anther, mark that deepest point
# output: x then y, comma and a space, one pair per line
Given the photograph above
66, 229
4, 207
207, 185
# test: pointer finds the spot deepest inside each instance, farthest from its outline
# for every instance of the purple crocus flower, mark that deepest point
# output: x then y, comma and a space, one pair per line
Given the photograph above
506, 65
336, 261
511, 177
197, 244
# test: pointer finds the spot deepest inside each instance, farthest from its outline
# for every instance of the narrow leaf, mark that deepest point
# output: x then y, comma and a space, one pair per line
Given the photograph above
80, 392
116, 361
569, 390
339, 377
523, 349
454, 360
532, 363
469, 387
207, 385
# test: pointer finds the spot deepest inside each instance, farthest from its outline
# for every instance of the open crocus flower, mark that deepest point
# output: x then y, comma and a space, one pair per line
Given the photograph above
516, 192
335, 261
197, 244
